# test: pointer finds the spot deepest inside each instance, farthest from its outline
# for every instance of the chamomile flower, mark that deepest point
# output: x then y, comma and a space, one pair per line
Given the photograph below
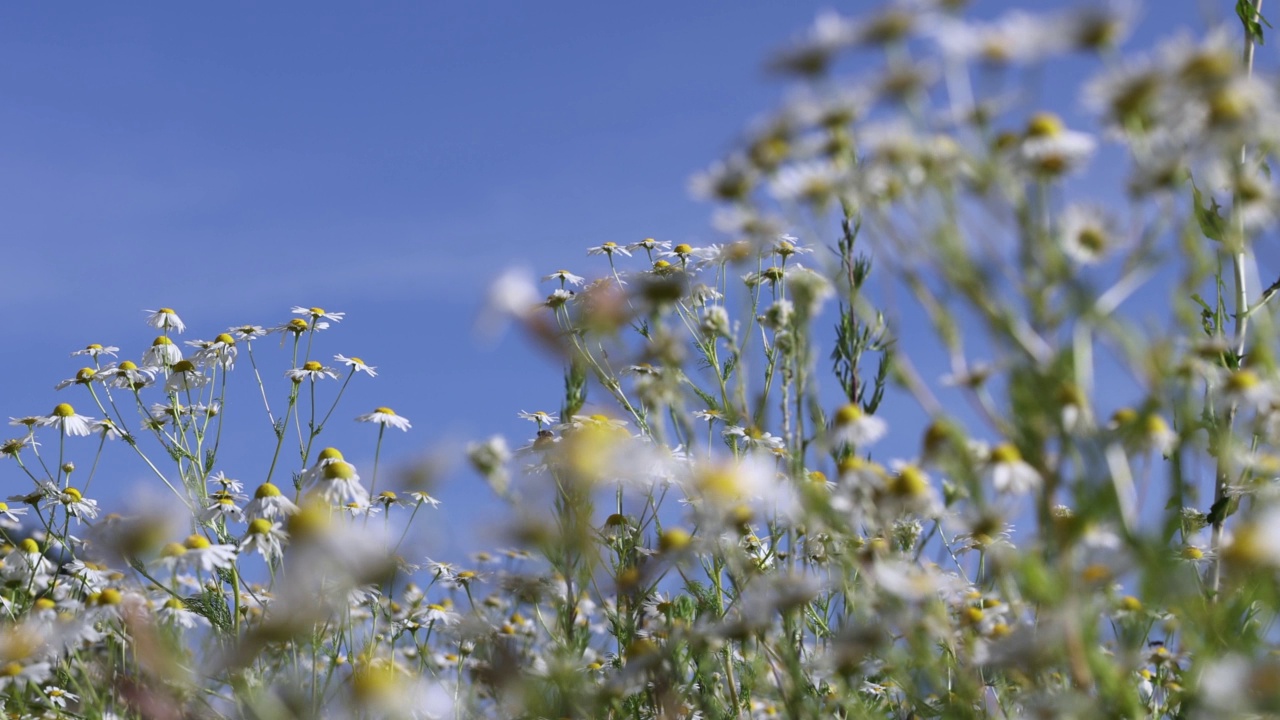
650, 245
538, 416
564, 276
96, 350
218, 352
264, 537
339, 483
161, 353
356, 365
127, 375
204, 556
317, 314
1009, 473
1050, 149
223, 506
107, 428
1087, 234
386, 417
297, 326
165, 319
175, 612
76, 504
58, 697
852, 426
268, 503
83, 376
11, 513
247, 332
608, 248
753, 437
311, 370
558, 298
184, 376
64, 417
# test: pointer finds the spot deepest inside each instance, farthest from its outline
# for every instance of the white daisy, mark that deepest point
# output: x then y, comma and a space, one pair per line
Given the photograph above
95, 351
311, 370
64, 417
564, 276
316, 314
165, 319
608, 248
357, 365
268, 503
161, 353
385, 416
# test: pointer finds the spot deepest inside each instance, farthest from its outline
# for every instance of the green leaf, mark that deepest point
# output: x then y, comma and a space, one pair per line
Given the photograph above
1251, 19
1212, 224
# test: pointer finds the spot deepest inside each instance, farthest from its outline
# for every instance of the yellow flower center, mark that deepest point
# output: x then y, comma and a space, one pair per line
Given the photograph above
29, 546
1243, 380
1043, 125
85, 374
673, 539
174, 603
339, 470
683, 249
161, 341
63, 410
259, 526
384, 410
72, 495
909, 482
330, 454
266, 490
225, 339
184, 366
12, 669
297, 325
312, 366
109, 596
173, 549
128, 365
317, 312
848, 414
1005, 453
196, 542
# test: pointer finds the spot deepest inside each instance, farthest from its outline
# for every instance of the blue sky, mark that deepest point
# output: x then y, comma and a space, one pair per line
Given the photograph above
385, 160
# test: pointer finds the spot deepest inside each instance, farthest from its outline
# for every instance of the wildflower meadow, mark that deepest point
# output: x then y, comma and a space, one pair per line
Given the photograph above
720, 512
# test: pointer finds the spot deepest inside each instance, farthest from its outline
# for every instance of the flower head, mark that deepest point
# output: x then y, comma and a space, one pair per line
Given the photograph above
165, 319
385, 416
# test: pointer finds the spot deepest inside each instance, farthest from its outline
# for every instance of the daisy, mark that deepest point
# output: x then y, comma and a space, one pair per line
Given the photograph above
127, 375
564, 276
224, 506
852, 426
185, 376
753, 437
356, 365
1009, 473
219, 352
339, 483
247, 332
608, 248
385, 416
13, 446
265, 537
538, 416
317, 314
1088, 234
107, 428
65, 418
162, 352
1050, 149
311, 370
11, 513
649, 245
59, 697
206, 556
83, 376
558, 298
175, 612
297, 326
683, 251
422, 498
813, 54
165, 319
268, 503
18, 674
95, 351
76, 505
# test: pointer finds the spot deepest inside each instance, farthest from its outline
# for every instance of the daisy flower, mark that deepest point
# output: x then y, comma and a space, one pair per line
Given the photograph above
224, 506
218, 352
357, 365
65, 418
558, 298
95, 351
107, 428
852, 426
162, 352
268, 503
564, 276
311, 370
1009, 473
127, 375
175, 612
205, 556
608, 248
1087, 234
185, 376
165, 319
247, 332
385, 416
316, 314
13, 446
76, 505
1050, 149
83, 376
265, 537
339, 483
649, 245
753, 437
538, 416
422, 498
11, 513
297, 326
59, 697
